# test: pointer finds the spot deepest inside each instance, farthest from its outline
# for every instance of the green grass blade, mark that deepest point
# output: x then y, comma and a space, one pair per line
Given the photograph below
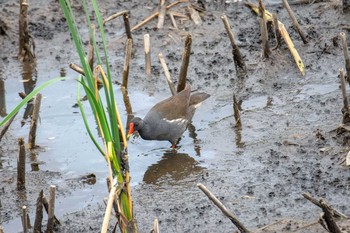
86, 122
29, 97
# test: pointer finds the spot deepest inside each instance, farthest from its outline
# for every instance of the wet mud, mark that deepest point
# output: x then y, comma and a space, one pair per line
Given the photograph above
288, 143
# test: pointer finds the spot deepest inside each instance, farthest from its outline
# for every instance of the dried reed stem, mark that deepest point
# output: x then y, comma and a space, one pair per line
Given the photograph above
278, 36
34, 123
167, 74
127, 59
21, 165
39, 213
51, 212
237, 57
110, 202
155, 226
6, 126
116, 15
223, 209
127, 25
24, 53
295, 21
24, 219
185, 62
173, 21
346, 55
149, 18
263, 30
147, 47
162, 13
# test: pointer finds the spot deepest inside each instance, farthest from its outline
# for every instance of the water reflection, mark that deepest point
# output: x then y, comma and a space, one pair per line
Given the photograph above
172, 166
193, 135
29, 78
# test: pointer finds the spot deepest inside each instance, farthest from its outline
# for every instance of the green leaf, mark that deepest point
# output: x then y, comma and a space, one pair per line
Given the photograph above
29, 97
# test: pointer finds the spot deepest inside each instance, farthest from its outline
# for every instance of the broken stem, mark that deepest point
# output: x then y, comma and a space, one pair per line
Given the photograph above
167, 74
295, 21
185, 62
223, 209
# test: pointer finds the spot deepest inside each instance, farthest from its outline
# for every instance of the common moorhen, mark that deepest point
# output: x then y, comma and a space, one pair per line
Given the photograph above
168, 119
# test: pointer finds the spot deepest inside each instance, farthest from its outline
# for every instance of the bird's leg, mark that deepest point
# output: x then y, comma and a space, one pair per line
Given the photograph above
173, 148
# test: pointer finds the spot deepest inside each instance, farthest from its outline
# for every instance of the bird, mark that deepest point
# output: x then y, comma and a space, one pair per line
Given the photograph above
168, 119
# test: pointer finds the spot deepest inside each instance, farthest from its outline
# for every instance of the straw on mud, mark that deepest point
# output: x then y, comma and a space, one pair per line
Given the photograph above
161, 15
236, 113
34, 123
39, 213
194, 14
237, 57
2, 98
149, 18
295, 21
346, 55
147, 47
24, 53
285, 36
278, 35
24, 219
127, 59
223, 209
263, 31
21, 165
46, 206
155, 226
336, 213
91, 48
173, 21
51, 213
6, 126
127, 25
116, 15
167, 74
185, 62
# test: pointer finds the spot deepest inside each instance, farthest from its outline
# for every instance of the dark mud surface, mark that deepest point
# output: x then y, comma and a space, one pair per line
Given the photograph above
287, 146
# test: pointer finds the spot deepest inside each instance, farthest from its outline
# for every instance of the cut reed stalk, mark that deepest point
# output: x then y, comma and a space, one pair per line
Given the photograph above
346, 55
6, 126
236, 113
21, 165
127, 25
127, 59
185, 62
24, 219
39, 213
51, 212
263, 31
34, 122
162, 13
237, 57
147, 47
24, 53
277, 32
167, 74
295, 21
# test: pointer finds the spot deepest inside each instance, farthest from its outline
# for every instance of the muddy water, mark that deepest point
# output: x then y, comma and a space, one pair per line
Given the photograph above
258, 172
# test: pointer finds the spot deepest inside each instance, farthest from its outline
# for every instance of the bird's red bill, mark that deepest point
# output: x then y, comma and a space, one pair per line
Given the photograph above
131, 130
